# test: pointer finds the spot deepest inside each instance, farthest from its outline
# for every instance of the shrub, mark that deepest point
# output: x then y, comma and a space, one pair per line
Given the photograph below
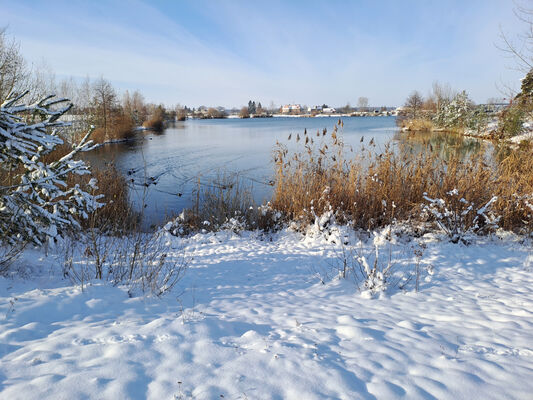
455, 113
214, 113
181, 114
511, 121
122, 127
138, 260
37, 202
376, 266
156, 121
116, 216
244, 113
456, 216
478, 119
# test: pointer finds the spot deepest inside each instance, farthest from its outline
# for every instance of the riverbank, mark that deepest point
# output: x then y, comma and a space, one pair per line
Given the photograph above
490, 131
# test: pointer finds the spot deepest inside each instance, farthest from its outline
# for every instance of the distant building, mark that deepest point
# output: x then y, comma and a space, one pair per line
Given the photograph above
329, 110
314, 109
291, 109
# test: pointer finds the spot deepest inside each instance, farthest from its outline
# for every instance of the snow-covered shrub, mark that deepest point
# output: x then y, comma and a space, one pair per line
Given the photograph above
376, 274
455, 113
457, 216
8, 254
478, 120
268, 219
377, 270
511, 120
377, 266
35, 200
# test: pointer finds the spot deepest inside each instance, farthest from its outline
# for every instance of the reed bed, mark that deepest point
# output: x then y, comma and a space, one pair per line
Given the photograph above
373, 188
416, 124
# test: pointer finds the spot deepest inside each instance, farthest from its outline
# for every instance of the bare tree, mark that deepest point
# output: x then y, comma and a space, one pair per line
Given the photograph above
362, 103
104, 100
244, 113
139, 107
442, 93
521, 47
12, 66
414, 103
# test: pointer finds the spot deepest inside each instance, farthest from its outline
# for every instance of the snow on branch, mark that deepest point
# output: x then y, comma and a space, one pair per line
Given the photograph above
35, 201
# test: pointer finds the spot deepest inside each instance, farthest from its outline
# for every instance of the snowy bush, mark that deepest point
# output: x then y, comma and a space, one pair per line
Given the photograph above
377, 266
458, 217
511, 120
455, 113
35, 200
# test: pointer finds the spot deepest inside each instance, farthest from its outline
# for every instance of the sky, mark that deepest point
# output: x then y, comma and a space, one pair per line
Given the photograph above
309, 52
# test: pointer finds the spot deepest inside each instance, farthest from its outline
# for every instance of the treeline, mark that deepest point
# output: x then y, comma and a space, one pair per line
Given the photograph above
96, 103
114, 116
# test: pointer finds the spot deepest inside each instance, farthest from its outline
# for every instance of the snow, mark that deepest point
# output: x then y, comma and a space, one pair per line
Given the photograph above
251, 320
523, 136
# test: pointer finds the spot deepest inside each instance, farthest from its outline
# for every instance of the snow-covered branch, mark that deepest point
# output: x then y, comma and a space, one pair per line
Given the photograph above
38, 203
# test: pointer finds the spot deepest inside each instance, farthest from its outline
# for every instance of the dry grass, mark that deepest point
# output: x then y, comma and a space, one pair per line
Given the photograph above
117, 215
417, 124
225, 203
219, 203
372, 189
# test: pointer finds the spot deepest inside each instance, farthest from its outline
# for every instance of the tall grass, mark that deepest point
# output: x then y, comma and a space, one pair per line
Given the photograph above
374, 188
117, 216
416, 124
224, 203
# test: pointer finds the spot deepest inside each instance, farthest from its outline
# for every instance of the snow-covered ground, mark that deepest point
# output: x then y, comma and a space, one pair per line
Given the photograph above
251, 320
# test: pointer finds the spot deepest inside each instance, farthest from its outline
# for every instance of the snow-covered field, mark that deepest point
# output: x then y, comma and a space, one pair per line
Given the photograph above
251, 320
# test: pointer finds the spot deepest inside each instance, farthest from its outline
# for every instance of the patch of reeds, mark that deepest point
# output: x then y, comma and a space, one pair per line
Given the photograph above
224, 203
417, 124
373, 188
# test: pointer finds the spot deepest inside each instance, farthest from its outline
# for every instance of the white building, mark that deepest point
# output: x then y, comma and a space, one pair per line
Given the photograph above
291, 109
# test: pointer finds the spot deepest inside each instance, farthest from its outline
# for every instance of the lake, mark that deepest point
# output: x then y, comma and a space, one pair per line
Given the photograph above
164, 170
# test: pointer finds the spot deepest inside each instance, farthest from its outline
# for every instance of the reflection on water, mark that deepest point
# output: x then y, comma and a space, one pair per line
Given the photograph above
195, 153
445, 145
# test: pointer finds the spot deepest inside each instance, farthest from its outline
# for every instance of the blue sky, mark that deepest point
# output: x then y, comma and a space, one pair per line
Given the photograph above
309, 52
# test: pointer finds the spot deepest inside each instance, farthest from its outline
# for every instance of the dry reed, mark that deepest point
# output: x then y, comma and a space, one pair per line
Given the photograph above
373, 189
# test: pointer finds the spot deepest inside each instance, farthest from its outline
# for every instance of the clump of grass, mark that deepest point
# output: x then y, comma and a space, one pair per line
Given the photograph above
417, 125
224, 203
